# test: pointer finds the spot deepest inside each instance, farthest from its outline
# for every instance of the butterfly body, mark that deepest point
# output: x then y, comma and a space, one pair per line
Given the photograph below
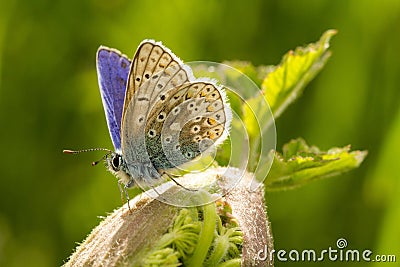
159, 116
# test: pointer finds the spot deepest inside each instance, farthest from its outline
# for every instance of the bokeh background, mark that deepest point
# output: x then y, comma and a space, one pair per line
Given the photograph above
49, 101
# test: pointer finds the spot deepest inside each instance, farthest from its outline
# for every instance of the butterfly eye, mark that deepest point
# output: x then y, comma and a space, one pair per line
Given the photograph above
116, 162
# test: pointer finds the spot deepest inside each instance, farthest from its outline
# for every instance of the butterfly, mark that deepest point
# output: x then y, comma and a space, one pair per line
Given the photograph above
158, 114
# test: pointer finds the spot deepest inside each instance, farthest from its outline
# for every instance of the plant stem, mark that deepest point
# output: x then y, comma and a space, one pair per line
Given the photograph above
206, 236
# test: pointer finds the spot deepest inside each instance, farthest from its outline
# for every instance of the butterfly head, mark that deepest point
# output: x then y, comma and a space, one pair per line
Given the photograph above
116, 164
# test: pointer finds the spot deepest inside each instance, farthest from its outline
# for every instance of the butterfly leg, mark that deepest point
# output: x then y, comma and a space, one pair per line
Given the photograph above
122, 193
176, 182
128, 185
123, 189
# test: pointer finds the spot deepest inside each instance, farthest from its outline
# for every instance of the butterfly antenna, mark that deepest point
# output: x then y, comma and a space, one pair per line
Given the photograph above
67, 151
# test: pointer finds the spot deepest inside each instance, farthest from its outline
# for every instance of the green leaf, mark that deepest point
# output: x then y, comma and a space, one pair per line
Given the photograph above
256, 74
226, 244
300, 164
163, 257
183, 235
297, 68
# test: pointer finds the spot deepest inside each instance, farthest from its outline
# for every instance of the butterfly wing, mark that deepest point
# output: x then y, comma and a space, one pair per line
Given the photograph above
191, 119
152, 58
112, 72
154, 71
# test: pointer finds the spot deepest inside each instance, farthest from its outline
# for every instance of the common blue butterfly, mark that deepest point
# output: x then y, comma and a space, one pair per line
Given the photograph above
158, 114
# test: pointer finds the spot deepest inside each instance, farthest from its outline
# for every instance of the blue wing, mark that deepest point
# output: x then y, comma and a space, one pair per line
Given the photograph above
112, 71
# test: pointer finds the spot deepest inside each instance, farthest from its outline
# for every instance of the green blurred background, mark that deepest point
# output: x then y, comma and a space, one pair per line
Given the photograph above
49, 101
